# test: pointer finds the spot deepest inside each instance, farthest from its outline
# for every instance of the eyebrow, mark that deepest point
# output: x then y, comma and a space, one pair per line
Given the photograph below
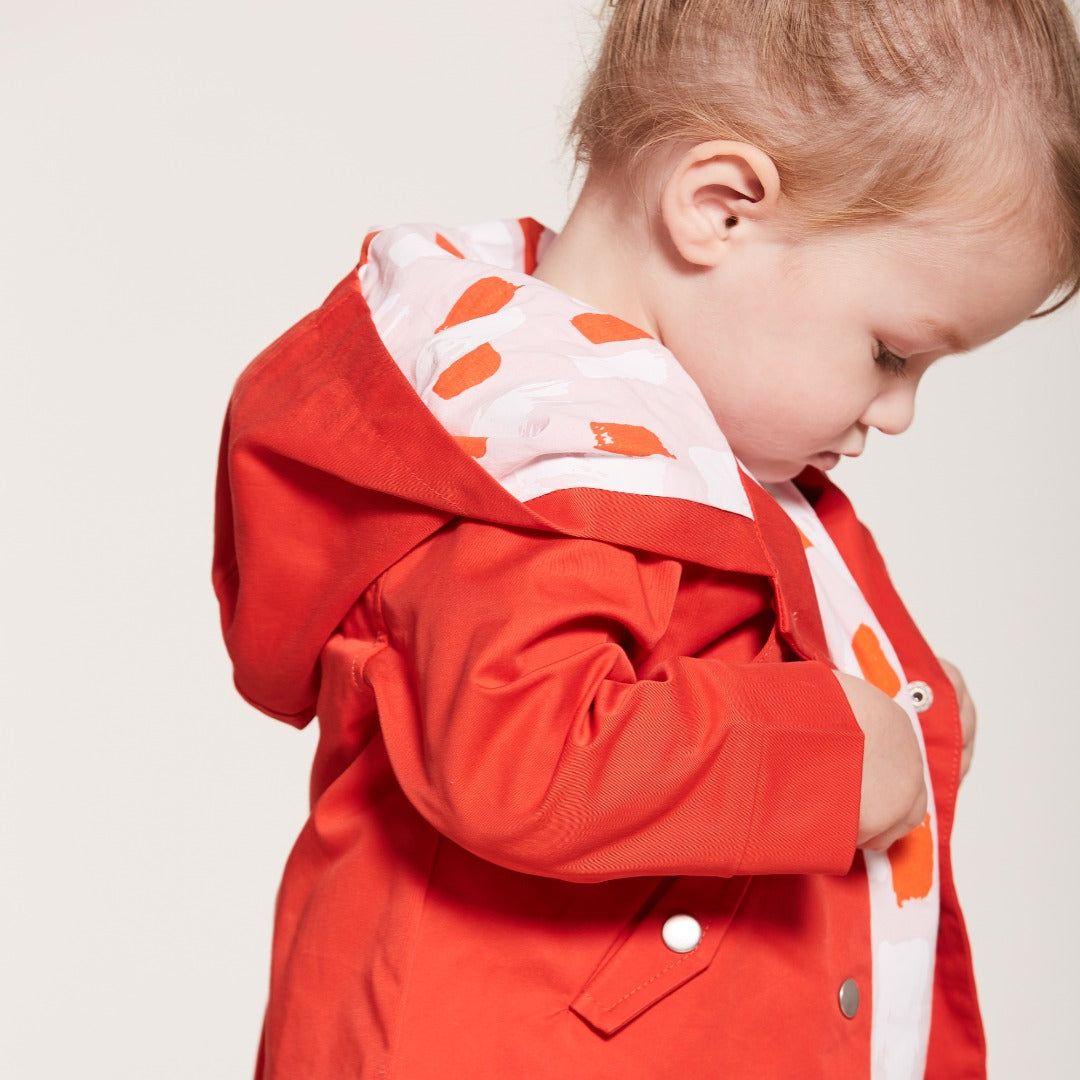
945, 334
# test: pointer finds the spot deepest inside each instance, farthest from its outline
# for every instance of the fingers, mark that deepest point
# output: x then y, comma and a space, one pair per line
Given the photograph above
893, 797
968, 719
909, 822
965, 759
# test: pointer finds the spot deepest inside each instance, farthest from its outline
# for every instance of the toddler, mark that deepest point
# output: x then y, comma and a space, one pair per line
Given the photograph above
631, 762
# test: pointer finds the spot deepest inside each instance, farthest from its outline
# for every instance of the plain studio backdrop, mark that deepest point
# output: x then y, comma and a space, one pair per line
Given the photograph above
181, 183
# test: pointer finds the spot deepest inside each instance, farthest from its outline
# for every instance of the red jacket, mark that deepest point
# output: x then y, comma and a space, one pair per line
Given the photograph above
544, 730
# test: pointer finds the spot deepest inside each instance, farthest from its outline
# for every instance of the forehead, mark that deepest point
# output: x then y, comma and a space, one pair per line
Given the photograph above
1013, 265
957, 284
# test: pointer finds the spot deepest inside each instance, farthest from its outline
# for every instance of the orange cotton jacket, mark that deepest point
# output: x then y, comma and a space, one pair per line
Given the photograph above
544, 730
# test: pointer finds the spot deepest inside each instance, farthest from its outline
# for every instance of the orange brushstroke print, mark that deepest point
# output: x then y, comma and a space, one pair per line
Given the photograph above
912, 862
600, 329
447, 246
875, 667
483, 297
806, 543
473, 445
469, 371
628, 439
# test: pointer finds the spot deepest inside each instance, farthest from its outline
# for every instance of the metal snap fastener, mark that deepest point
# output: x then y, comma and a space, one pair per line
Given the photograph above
849, 998
682, 933
922, 697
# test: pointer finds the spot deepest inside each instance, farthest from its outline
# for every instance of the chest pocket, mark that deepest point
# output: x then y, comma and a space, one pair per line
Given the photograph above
675, 939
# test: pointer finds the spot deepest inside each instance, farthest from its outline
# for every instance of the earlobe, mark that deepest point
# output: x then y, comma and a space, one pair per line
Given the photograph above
715, 191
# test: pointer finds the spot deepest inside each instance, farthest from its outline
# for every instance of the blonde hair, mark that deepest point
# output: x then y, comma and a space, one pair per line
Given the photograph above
870, 109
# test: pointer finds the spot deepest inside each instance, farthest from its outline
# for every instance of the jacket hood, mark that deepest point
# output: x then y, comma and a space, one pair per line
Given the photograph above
317, 495
332, 468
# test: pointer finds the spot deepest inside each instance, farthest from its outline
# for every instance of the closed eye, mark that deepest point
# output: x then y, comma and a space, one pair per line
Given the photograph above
889, 361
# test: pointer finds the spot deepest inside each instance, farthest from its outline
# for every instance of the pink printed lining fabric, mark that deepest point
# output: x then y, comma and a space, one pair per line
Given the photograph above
544, 391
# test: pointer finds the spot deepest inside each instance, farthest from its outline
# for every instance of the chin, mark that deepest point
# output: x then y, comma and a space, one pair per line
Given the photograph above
774, 473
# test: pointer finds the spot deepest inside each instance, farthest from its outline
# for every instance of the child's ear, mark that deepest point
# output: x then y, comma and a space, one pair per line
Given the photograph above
716, 189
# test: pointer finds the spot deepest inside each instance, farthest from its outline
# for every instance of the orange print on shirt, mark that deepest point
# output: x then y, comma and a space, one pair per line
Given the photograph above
912, 862
628, 439
471, 370
875, 667
805, 539
483, 297
600, 329
447, 246
473, 445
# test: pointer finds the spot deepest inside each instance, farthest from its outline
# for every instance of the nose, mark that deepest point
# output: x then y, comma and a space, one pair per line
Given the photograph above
892, 411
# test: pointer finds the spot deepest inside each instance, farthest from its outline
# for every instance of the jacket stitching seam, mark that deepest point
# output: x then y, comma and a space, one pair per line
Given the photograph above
649, 981
756, 803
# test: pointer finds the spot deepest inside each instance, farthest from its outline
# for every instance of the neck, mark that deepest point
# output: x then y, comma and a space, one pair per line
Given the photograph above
604, 255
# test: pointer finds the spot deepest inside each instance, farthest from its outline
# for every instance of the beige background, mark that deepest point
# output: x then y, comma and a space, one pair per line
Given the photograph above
181, 182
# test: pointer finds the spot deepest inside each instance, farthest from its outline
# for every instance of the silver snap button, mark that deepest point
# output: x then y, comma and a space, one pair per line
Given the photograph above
922, 697
849, 998
682, 933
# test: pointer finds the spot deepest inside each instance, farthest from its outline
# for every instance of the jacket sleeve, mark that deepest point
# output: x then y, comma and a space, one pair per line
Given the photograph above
519, 726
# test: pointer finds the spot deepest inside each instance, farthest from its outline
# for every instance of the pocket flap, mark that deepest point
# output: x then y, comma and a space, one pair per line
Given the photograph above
643, 969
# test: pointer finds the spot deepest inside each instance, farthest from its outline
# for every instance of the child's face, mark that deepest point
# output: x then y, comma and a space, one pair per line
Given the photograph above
793, 342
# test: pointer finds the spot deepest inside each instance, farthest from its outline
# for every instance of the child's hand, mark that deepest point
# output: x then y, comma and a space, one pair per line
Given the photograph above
893, 789
967, 714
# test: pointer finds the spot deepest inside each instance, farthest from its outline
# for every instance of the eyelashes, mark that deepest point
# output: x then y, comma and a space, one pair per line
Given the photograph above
889, 361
